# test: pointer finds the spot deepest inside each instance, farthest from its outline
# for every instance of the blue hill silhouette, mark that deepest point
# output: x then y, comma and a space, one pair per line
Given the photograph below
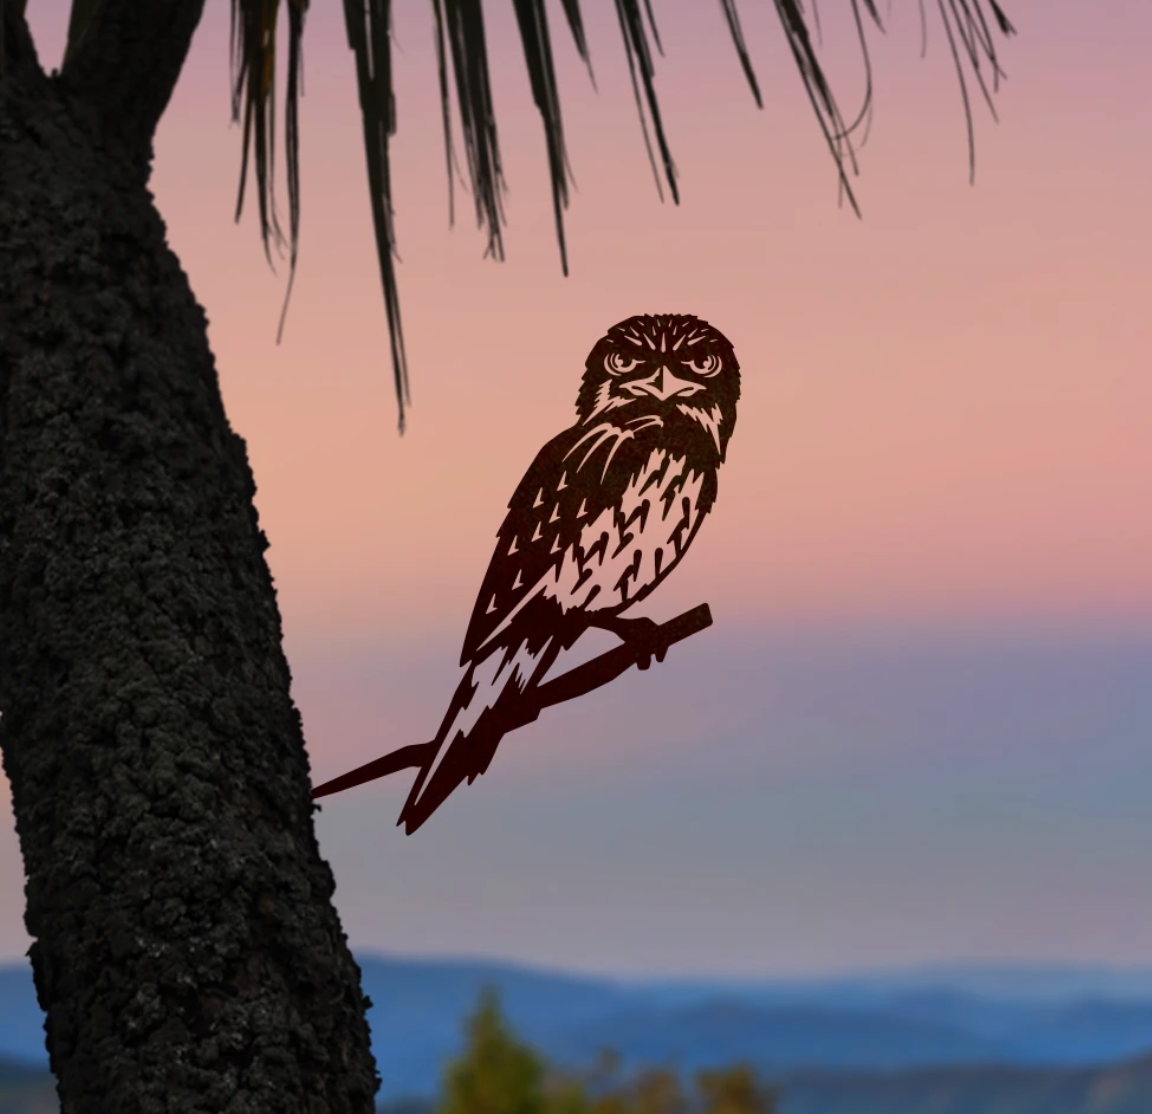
944, 1018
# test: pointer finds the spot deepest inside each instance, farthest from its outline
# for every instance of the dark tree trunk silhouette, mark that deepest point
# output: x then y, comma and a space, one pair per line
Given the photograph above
186, 950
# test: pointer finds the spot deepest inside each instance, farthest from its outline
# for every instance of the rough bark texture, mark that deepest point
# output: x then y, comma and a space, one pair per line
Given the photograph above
186, 950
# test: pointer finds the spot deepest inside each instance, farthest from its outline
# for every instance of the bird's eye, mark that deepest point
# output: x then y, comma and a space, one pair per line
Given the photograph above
705, 365
615, 364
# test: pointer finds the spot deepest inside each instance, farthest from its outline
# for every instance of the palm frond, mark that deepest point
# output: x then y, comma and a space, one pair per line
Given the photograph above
976, 38
369, 35
640, 58
296, 9
576, 26
462, 21
446, 111
652, 24
737, 33
533, 21
253, 58
459, 26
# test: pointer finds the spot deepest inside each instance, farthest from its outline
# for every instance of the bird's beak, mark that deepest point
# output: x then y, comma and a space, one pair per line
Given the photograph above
664, 385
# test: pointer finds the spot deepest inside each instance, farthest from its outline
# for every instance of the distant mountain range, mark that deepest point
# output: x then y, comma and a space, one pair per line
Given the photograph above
822, 1037
1119, 1089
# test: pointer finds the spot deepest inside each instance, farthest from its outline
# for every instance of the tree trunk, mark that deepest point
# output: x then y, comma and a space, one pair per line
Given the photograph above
186, 950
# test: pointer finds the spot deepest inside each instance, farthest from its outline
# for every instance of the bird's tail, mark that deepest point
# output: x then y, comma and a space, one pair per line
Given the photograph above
486, 705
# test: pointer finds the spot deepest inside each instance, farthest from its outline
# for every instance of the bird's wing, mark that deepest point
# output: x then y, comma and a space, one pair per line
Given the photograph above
542, 521
569, 533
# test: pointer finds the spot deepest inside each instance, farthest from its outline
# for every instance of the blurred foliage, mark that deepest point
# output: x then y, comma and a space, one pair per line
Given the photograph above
734, 1090
498, 1074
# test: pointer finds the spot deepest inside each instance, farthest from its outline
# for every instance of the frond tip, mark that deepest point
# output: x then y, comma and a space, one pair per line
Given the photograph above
369, 24
253, 56
462, 22
533, 21
971, 28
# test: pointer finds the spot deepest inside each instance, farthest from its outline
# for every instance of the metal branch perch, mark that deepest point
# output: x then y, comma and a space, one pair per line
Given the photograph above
586, 678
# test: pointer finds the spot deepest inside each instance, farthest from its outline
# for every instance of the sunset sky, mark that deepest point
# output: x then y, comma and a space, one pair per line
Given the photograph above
921, 727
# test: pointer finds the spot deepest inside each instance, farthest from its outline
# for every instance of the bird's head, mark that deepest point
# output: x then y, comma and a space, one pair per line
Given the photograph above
667, 371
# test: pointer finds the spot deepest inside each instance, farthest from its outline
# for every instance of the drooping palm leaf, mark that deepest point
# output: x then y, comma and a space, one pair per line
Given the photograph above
576, 26
737, 32
533, 21
640, 58
976, 38
253, 50
292, 139
369, 35
460, 34
463, 23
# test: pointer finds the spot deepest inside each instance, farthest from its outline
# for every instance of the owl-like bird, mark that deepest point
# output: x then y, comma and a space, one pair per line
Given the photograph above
606, 511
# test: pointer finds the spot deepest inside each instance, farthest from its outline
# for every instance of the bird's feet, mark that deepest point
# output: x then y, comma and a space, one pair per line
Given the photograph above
642, 634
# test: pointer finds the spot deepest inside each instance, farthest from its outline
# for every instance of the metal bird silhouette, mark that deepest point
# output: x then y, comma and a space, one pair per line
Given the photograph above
606, 511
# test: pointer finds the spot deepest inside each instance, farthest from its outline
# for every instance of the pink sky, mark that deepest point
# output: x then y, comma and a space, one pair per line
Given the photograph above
945, 406
945, 415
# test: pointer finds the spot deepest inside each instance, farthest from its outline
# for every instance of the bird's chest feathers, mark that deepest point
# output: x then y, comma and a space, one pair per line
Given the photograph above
619, 552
